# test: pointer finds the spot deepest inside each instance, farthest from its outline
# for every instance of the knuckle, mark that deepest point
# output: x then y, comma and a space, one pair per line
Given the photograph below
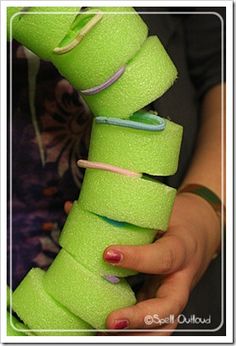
168, 262
138, 314
179, 243
136, 258
179, 251
139, 309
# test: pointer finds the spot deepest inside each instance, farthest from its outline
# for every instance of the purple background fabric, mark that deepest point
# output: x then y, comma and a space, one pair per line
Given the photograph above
41, 187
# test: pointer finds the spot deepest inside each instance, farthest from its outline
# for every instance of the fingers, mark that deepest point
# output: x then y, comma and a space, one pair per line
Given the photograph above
67, 206
150, 314
171, 298
176, 287
165, 256
145, 314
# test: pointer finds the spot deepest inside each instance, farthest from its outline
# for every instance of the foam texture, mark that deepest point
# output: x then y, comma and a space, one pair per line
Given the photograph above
86, 236
10, 12
9, 292
142, 202
41, 32
40, 311
86, 295
148, 75
154, 153
110, 44
13, 324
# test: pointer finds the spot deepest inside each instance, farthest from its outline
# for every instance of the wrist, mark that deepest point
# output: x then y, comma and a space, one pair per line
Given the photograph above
207, 221
212, 200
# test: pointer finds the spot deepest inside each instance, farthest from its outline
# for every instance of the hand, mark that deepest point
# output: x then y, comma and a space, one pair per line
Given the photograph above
181, 256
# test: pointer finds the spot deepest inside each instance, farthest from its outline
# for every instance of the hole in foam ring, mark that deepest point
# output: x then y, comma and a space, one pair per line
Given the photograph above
82, 25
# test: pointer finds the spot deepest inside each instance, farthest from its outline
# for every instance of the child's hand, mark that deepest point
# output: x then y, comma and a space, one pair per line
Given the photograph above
181, 255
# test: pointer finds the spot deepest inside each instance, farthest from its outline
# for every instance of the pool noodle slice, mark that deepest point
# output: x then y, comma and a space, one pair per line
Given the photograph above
141, 202
40, 311
154, 153
148, 75
87, 295
40, 33
86, 235
100, 53
103, 51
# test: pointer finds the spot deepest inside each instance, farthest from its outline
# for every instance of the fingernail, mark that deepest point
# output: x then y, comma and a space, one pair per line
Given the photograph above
113, 256
121, 324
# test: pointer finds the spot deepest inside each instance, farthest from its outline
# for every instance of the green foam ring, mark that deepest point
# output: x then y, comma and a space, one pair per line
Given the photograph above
147, 76
110, 44
41, 32
86, 235
87, 295
40, 312
151, 152
139, 201
14, 327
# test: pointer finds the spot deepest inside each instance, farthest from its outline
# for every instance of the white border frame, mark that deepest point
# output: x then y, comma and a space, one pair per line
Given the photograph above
229, 189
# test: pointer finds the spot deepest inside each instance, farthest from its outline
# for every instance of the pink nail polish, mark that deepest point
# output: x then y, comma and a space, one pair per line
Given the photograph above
113, 256
121, 324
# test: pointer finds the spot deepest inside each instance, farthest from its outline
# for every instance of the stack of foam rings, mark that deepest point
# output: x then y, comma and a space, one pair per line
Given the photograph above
107, 55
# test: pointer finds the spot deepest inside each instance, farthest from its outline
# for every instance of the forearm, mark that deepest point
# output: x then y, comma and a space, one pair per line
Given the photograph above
206, 166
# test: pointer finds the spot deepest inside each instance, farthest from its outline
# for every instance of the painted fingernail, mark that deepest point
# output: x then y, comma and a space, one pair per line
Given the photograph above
113, 256
121, 324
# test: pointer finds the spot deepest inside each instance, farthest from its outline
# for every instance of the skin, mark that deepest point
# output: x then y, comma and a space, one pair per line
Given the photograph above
179, 258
